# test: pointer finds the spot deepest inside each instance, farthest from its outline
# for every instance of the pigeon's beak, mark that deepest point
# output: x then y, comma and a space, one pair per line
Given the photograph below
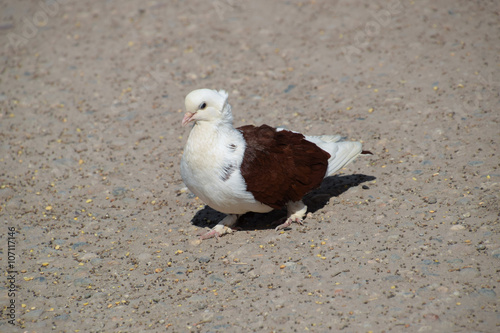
188, 117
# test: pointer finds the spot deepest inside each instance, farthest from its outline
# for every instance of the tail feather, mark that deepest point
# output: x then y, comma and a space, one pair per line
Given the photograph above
341, 152
345, 153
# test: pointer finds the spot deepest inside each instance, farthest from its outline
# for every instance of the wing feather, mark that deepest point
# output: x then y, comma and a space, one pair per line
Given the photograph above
281, 166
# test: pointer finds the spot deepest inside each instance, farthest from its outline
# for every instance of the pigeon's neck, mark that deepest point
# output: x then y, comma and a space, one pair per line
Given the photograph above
207, 148
205, 136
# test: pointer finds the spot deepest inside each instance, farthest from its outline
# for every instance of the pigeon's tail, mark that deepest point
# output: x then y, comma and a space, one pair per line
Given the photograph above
341, 152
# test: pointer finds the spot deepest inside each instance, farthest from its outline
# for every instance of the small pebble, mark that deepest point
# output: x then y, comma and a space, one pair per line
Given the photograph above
488, 292
195, 242
78, 244
457, 227
203, 260
470, 273
463, 201
431, 316
431, 200
289, 88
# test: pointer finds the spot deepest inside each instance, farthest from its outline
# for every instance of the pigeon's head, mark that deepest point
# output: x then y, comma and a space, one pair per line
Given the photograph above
207, 105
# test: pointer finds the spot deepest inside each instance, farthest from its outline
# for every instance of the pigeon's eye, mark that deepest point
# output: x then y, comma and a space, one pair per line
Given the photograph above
202, 106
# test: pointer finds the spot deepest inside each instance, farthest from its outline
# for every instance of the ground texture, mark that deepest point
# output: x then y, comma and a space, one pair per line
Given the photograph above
106, 240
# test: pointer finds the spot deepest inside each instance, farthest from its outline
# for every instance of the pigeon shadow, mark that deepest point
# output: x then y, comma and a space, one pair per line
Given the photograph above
315, 200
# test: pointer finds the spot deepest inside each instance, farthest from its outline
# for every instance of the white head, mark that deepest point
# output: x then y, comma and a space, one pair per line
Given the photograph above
207, 105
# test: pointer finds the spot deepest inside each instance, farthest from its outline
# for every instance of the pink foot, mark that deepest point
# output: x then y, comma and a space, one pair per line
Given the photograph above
288, 223
217, 231
212, 233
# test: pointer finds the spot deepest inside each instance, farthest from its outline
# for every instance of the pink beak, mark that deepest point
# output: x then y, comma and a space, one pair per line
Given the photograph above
188, 117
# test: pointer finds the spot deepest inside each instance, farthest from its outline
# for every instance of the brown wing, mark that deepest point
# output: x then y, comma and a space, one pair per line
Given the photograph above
280, 166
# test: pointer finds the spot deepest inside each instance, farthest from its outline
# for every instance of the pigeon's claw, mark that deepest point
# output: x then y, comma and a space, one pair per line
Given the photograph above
216, 232
284, 225
212, 233
289, 222
296, 212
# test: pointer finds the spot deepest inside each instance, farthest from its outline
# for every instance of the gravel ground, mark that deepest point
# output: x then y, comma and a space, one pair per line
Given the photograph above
106, 235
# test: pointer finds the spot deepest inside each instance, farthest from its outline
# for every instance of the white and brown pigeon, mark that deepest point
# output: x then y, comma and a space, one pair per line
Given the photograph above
253, 169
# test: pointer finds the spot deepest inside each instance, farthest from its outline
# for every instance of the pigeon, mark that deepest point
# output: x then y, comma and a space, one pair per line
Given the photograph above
253, 168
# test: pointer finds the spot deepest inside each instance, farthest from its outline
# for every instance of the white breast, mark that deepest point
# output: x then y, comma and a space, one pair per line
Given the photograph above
210, 168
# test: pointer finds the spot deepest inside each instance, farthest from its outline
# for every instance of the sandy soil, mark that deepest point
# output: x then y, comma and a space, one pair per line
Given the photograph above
91, 102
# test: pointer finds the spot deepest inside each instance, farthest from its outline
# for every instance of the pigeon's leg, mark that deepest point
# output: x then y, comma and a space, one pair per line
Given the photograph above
296, 212
223, 227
